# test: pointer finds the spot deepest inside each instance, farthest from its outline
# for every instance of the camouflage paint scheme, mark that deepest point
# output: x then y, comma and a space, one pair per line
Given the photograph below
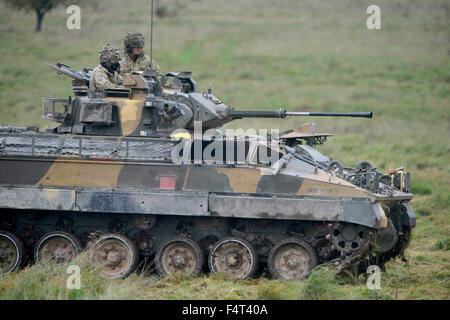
245, 191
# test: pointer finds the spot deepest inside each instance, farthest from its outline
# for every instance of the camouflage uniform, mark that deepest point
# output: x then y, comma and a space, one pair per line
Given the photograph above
101, 78
127, 65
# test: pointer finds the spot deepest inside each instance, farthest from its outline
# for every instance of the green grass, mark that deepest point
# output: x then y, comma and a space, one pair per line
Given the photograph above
48, 282
302, 55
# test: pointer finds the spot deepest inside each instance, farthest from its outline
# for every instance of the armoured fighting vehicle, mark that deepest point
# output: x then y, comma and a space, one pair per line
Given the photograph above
143, 172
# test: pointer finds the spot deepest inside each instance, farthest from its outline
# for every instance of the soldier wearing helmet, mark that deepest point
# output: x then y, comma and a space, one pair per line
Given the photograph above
106, 74
134, 59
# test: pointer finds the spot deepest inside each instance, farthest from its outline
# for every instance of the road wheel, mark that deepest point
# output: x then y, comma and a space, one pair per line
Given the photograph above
116, 254
179, 255
292, 259
57, 247
11, 253
233, 256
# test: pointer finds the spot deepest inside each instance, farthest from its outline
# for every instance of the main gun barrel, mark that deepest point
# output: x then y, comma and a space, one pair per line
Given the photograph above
330, 114
282, 113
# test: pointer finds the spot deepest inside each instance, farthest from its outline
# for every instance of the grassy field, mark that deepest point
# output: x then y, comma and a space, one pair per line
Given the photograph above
303, 55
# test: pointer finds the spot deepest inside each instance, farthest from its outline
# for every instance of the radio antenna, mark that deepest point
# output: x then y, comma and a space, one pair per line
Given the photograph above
151, 39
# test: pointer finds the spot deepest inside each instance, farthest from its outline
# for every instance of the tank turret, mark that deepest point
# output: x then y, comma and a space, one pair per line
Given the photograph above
148, 106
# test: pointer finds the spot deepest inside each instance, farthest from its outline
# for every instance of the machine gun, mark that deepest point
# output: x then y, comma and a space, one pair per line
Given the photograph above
62, 68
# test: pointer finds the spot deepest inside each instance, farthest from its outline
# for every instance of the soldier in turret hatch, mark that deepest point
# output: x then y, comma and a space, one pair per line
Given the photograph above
134, 59
106, 74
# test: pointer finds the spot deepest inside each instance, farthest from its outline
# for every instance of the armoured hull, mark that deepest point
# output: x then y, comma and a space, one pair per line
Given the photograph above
127, 193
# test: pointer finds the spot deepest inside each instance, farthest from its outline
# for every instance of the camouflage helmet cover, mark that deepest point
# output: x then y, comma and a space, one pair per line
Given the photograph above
134, 40
110, 54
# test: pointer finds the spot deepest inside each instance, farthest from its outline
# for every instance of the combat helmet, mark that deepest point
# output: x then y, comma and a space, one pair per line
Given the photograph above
110, 54
133, 40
